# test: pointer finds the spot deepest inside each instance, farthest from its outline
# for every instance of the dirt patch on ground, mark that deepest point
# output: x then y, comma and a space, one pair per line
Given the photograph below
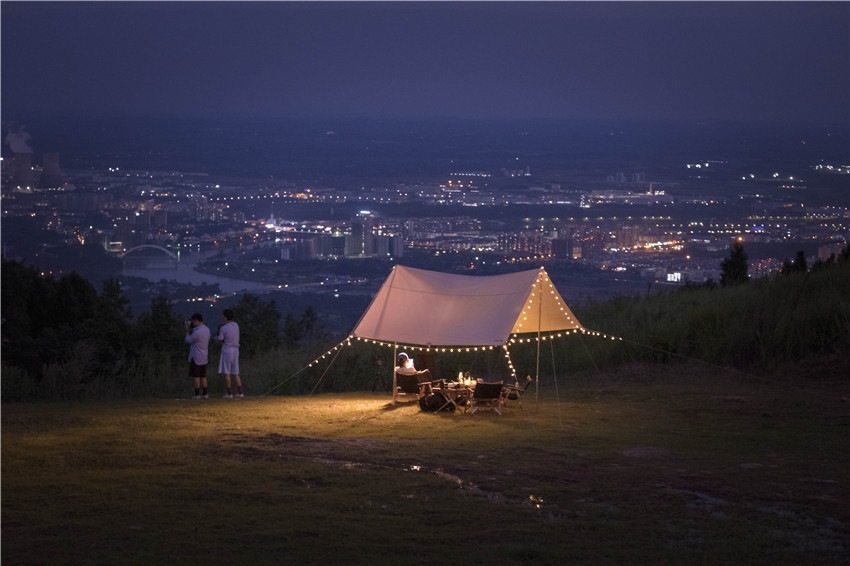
646, 452
360, 453
278, 446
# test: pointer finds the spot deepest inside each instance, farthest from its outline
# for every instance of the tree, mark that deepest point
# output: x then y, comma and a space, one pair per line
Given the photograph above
63, 314
733, 270
113, 317
292, 331
820, 265
259, 324
113, 300
799, 264
61, 331
160, 330
77, 300
310, 325
307, 327
19, 322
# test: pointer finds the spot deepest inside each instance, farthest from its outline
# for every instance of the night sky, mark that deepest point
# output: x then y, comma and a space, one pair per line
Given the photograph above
781, 62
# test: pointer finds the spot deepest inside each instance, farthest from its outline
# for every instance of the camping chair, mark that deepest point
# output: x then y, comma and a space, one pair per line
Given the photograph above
515, 392
487, 396
410, 385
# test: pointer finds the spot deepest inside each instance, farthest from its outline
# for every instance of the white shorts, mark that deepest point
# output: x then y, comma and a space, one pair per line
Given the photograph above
229, 361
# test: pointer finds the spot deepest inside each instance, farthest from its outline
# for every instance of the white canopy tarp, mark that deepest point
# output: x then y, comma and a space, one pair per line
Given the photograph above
416, 306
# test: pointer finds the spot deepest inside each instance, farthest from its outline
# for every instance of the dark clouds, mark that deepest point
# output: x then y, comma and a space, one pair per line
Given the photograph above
773, 61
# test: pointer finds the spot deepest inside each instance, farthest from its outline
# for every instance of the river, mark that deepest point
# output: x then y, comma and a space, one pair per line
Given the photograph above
183, 271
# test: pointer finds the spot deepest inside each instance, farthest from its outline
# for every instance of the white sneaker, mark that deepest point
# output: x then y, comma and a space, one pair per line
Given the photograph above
196, 397
228, 397
205, 396
240, 395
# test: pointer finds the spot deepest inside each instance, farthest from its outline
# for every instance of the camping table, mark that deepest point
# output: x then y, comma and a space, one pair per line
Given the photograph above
453, 393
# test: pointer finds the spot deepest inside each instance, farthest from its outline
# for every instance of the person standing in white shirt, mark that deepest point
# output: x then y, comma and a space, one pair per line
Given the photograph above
228, 364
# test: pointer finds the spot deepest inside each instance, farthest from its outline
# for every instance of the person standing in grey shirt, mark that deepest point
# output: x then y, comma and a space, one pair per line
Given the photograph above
198, 338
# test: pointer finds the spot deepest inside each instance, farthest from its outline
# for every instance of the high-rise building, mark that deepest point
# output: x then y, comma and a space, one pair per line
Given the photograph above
525, 243
389, 246
832, 249
360, 242
627, 236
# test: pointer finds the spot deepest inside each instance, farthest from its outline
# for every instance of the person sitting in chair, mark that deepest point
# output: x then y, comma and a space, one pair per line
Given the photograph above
405, 366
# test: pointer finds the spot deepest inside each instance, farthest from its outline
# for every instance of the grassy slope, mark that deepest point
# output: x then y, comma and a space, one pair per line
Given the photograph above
659, 466
761, 326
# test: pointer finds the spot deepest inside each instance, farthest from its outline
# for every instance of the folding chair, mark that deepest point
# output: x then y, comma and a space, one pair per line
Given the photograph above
487, 396
515, 392
410, 385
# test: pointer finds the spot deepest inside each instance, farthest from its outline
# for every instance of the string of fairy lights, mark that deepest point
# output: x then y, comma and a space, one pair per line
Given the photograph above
543, 277
514, 338
509, 362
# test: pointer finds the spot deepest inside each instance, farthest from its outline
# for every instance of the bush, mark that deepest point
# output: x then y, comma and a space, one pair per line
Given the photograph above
17, 384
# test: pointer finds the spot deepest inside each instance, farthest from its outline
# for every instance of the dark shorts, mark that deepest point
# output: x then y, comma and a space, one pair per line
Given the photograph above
197, 371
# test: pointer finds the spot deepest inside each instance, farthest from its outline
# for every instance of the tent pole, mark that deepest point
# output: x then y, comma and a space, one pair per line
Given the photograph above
395, 358
539, 323
557, 394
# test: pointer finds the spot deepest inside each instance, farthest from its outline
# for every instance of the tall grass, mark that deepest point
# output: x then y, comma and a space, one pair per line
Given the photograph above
758, 326
80, 376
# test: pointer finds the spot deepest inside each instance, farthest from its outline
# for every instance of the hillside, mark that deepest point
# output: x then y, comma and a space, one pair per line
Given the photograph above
760, 326
796, 326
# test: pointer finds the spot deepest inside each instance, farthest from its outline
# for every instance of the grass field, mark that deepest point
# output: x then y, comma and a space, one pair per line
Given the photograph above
657, 464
